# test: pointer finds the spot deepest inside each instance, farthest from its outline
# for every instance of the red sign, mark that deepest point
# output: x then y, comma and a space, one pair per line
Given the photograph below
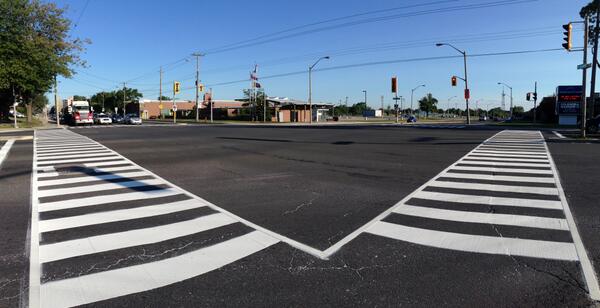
467, 94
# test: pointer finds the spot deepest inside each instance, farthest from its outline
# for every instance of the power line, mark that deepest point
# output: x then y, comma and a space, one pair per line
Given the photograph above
331, 68
81, 14
372, 20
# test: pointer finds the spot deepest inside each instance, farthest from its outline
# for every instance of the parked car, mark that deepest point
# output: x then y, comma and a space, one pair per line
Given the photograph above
133, 119
116, 118
102, 119
593, 125
411, 119
483, 118
19, 115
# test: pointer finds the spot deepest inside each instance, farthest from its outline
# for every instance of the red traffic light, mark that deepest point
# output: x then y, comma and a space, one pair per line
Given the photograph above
394, 84
453, 81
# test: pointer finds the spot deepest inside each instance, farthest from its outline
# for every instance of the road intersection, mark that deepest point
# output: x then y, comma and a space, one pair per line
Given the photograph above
108, 228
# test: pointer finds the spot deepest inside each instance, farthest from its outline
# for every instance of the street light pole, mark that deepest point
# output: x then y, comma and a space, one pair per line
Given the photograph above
412, 92
511, 98
197, 55
310, 68
464, 53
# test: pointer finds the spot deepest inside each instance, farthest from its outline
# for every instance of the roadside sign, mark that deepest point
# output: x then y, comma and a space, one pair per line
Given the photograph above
174, 107
467, 94
582, 66
200, 88
160, 106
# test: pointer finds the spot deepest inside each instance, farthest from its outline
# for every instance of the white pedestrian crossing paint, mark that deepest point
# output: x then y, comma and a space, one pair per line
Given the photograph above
500, 185
74, 179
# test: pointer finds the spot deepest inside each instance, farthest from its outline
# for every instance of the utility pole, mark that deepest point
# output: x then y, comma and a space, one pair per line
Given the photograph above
382, 106
535, 103
56, 109
584, 77
210, 101
198, 55
160, 96
594, 61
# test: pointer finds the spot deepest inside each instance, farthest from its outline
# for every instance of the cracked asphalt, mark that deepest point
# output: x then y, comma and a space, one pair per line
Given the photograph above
314, 186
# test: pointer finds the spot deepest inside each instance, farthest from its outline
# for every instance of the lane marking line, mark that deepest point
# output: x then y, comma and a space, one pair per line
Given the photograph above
5, 149
559, 135
588, 269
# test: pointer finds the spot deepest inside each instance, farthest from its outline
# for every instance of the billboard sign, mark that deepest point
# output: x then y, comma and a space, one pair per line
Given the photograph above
568, 100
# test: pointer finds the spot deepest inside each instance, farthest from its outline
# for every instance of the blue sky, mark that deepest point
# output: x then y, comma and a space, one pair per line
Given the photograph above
132, 39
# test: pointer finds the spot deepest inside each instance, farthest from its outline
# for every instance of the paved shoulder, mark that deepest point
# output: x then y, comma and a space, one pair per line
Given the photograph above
104, 227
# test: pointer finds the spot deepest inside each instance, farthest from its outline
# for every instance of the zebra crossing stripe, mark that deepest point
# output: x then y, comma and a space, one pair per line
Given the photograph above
496, 187
118, 215
501, 163
499, 177
98, 187
113, 283
477, 243
487, 200
83, 179
489, 218
113, 241
494, 169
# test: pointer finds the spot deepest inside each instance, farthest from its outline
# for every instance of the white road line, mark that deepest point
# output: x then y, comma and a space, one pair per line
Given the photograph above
524, 152
506, 159
48, 174
65, 145
133, 279
92, 178
98, 187
589, 273
511, 149
128, 168
499, 177
484, 218
5, 149
481, 153
97, 200
118, 215
511, 170
78, 160
477, 243
71, 151
136, 237
498, 163
61, 156
487, 200
75, 149
559, 135
108, 163
551, 191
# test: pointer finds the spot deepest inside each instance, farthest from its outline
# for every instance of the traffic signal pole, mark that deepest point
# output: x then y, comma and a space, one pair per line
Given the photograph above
466, 88
584, 78
594, 59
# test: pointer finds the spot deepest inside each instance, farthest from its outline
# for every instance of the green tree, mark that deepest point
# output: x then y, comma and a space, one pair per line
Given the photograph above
341, 110
109, 100
79, 98
257, 101
164, 98
359, 108
35, 47
428, 104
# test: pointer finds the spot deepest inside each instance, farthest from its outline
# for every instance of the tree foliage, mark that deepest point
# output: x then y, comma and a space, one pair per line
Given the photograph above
35, 46
428, 104
107, 101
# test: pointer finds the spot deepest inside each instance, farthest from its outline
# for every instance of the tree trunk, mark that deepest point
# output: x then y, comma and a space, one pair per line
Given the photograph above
29, 107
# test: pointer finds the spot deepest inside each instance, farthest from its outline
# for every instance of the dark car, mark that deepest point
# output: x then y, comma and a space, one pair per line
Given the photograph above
411, 119
593, 125
116, 118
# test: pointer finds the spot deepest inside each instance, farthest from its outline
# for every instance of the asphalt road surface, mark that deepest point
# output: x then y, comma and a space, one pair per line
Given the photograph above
296, 216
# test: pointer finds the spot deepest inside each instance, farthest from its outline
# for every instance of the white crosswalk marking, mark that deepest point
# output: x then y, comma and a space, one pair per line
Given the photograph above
502, 184
81, 189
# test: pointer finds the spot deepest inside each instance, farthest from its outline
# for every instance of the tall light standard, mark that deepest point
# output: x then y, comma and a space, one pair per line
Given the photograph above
467, 94
511, 97
448, 105
310, 68
412, 93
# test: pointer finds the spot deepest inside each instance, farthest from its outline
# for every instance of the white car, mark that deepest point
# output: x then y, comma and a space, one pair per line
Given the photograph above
133, 119
102, 119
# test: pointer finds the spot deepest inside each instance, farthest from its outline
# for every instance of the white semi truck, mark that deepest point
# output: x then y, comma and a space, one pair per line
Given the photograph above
78, 113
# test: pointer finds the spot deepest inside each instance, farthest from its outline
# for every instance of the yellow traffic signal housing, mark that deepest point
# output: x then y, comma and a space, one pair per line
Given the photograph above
176, 87
394, 84
453, 80
568, 36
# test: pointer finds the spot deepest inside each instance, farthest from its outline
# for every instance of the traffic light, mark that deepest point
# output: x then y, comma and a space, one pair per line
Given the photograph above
453, 81
201, 88
535, 96
176, 87
394, 84
528, 98
568, 31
